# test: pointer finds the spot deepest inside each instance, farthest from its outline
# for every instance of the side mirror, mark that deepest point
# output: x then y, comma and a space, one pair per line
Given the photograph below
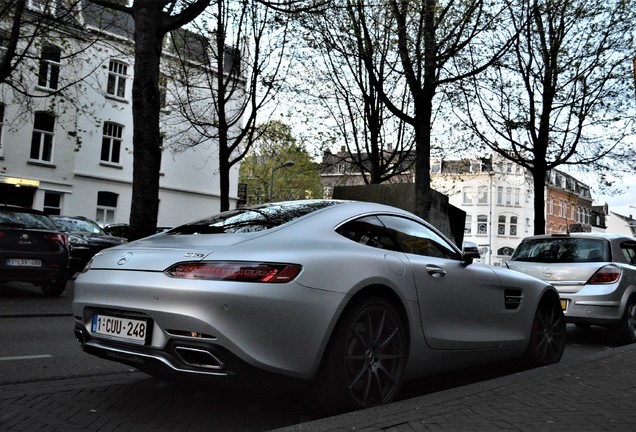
470, 251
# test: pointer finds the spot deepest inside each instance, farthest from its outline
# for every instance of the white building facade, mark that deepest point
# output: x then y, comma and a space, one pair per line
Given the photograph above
497, 196
68, 149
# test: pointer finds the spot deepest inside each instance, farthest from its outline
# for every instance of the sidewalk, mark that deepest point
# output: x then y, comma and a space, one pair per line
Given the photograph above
595, 395
592, 395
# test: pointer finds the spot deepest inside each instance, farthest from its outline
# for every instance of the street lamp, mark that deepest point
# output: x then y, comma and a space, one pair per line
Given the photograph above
271, 181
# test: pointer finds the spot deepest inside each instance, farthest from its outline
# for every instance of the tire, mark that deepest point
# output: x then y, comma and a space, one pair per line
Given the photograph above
548, 335
625, 330
364, 362
54, 288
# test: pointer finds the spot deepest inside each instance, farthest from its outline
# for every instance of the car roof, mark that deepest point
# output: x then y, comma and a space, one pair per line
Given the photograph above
10, 207
589, 235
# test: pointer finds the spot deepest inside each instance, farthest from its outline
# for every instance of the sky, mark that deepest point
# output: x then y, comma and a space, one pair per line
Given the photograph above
623, 204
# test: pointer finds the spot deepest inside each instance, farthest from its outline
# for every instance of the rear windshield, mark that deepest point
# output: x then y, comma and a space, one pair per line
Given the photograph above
77, 225
25, 220
566, 250
252, 219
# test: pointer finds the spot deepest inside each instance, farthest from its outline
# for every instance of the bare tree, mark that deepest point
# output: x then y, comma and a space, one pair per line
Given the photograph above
153, 20
247, 45
438, 43
379, 145
563, 96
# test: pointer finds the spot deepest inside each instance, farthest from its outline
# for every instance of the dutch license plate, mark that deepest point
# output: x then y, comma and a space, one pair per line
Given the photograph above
22, 262
120, 328
564, 304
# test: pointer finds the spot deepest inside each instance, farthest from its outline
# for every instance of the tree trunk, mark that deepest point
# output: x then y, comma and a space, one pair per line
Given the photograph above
146, 110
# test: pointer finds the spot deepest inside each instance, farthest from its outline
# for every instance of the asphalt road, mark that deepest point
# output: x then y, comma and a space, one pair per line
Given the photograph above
37, 344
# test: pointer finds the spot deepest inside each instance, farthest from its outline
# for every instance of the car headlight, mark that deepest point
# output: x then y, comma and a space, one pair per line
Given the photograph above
75, 240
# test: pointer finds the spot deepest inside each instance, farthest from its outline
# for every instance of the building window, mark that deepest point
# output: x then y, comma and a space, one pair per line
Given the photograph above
468, 195
117, 75
52, 203
482, 224
508, 196
106, 208
528, 225
49, 71
513, 225
468, 225
111, 142
500, 195
482, 195
42, 138
501, 227
517, 197
551, 206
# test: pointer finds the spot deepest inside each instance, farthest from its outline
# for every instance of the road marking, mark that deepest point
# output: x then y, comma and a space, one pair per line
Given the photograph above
33, 357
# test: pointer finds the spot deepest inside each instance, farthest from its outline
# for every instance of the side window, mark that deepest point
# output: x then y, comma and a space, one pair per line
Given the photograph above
49, 71
629, 251
42, 138
368, 231
415, 238
117, 75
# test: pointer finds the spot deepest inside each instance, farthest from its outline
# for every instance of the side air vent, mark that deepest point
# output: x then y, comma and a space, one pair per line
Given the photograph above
513, 298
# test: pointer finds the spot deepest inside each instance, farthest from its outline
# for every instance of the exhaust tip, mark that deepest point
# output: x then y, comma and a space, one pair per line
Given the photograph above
199, 358
79, 335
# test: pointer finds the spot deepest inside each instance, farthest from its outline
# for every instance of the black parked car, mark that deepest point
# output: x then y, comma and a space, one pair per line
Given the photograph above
123, 230
32, 250
85, 239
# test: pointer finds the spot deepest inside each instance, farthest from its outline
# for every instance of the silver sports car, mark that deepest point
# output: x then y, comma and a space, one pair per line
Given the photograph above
347, 298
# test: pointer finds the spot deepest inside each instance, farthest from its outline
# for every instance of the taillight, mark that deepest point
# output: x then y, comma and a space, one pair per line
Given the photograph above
606, 275
59, 238
235, 271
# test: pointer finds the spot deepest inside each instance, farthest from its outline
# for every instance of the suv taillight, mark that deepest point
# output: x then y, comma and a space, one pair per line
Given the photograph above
59, 238
235, 271
606, 275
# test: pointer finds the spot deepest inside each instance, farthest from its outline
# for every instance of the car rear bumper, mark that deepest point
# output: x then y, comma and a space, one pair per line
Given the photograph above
599, 310
279, 329
36, 276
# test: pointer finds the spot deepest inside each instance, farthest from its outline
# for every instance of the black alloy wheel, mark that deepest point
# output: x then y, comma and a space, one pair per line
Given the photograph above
365, 361
548, 335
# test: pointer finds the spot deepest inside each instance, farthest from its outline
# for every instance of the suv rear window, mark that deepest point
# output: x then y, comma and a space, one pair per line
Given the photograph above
562, 250
28, 220
252, 219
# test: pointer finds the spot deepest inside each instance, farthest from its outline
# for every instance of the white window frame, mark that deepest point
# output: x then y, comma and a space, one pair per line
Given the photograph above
117, 79
112, 134
49, 68
467, 195
45, 140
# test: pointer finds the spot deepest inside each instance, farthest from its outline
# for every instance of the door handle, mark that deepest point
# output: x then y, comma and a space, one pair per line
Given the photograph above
436, 272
